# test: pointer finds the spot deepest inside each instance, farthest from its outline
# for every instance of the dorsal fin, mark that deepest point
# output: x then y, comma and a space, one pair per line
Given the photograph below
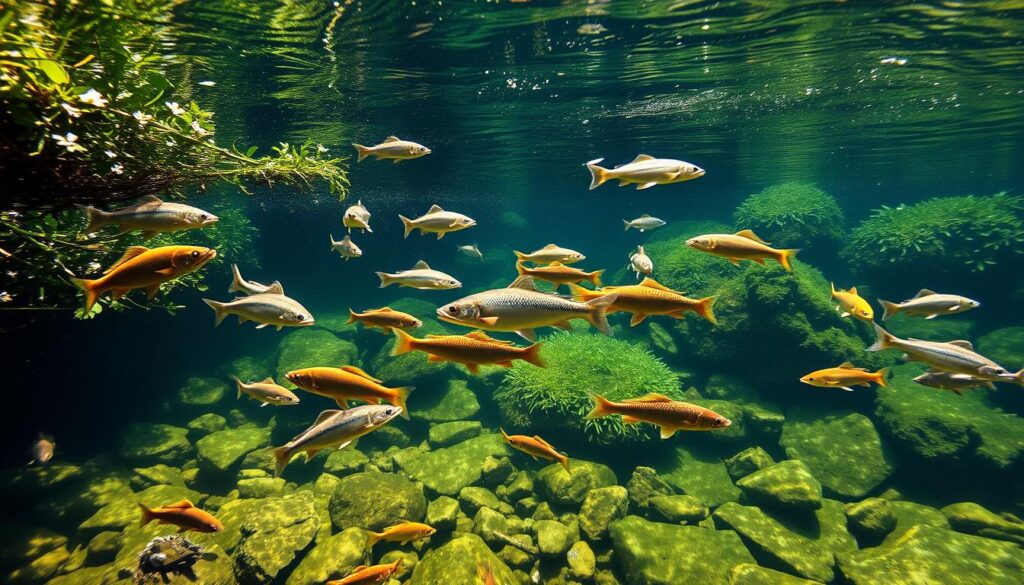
182, 505
392, 138
524, 282
359, 372
962, 343
852, 290
641, 158
358, 568
150, 200
640, 250
847, 365
652, 397
130, 253
543, 442
385, 310
268, 380
750, 235
359, 203
481, 336
924, 293
421, 265
549, 247
347, 238
275, 288
324, 416
434, 208
646, 215
651, 283
554, 264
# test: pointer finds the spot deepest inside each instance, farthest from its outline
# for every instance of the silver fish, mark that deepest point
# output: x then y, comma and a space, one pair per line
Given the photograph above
643, 223
42, 449
953, 382
472, 251
551, 253
266, 391
151, 215
929, 304
641, 263
420, 276
336, 428
357, 216
393, 148
346, 247
265, 309
437, 221
251, 287
954, 356
644, 171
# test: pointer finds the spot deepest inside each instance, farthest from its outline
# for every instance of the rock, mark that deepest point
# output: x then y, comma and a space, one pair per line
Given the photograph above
446, 471
456, 402
408, 559
699, 474
1004, 346
569, 488
661, 339
305, 348
910, 514
123, 512
248, 369
553, 538
83, 576
202, 393
971, 518
927, 554
219, 452
870, 520
143, 445
389, 436
236, 418
520, 487
41, 568
785, 485
442, 513
342, 462
473, 498
487, 522
643, 485
205, 424
515, 558
332, 558
679, 509
764, 421
19, 545
668, 554
448, 433
750, 574
456, 562
260, 487
374, 501
273, 534
37, 479
582, 563
841, 448
102, 548
156, 475
602, 506
526, 506
495, 470
748, 461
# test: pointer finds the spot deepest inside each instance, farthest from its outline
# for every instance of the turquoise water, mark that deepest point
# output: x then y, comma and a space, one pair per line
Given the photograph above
831, 110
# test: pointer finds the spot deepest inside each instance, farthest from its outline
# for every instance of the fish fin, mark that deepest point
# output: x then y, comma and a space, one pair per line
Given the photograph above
401, 395
1018, 378
385, 279
924, 293
372, 538
130, 253
630, 420
524, 282
481, 336
852, 290
598, 315
532, 355
750, 235
847, 388
650, 397
527, 334
706, 309
183, 504
152, 290
957, 391
407, 224
236, 280
552, 246
844, 315
602, 406
147, 514
623, 182
275, 288
883, 339
889, 309
520, 268
434, 208
440, 235
361, 373
505, 435
403, 342
489, 320
342, 403
421, 265
363, 151
324, 416
90, 289
343, 445
848, 366
434, 358
564, 462
785, 257
645, 186
262, 404
637, 319
881, 377
520, 256
962, 343
595, 277
473, 368
351, 316
563, 325
628, 225
598, 175
392, 138
238, 385
262, 325
651, 283
988, 384
95, 219
953, 308
218, 311
832, 285
666, 432
932, 316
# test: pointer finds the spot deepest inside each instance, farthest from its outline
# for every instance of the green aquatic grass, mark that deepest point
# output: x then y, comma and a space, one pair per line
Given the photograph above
792, 215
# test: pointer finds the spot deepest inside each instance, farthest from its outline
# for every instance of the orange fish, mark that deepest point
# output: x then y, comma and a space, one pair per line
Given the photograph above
183, 514
485, 573
670, 415
385, 318
471, 350
559, 274
743, 245
649, 298
845, 375
363, 575
348, 383
402, 532
141, 267
536, 447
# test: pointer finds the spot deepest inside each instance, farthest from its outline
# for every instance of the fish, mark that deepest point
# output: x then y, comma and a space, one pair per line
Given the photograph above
364, 575
485, 573
670, 415
142, 267
471, 350
845, 375
559, 274
420, 276
643, 223
184, 514
536, 447
150, 215
743, 245
393, 148
437, 221
851, 304
267, 392
346, 247
955, 383
550, 253
251, 287
357, 216
591, 29
384, 318
928, 304
349, 383
334, 428
42, 449
520, 307
956, 357
472, 251
650, 298
641, 263
644, 171
266, 309
402, 532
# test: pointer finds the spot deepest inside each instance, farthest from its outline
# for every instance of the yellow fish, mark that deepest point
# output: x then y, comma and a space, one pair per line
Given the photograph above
743, 245
649, 298
852, 304
141, 267
402, 532
845, 375
471, 350
559, 274
536, 447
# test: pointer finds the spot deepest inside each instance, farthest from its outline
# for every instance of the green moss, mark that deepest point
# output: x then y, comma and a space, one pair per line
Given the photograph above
792, 215
554, 398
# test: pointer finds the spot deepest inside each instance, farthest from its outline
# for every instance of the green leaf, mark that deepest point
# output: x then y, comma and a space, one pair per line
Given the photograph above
53, 70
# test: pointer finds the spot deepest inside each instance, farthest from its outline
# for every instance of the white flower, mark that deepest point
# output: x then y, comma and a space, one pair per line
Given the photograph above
175, 108
208, 83
117, 169
110, 153
198, 129
142, 118
93, 98
320, 148
69, 141
71, 110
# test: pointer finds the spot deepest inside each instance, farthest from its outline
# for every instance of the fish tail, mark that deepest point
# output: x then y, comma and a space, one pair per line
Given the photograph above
520, 268
595, 277
598, 175
236, 280
1018, 378
407, 223
890, 309
531, 355
363, 151
238, 385
883, 339
520, 256
333, 241
401, 395
579, 293
706, 309
373, 538
628, 225
218, 311
351, 316
147, 514
91, 290
832, 285
881, 377
785, 256
602, 406
598, 316
385, 279
403, 342
282, 455
563, 460
95, 219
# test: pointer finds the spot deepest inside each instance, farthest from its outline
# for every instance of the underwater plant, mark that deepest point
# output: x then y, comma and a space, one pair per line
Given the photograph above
555, 398
792, 215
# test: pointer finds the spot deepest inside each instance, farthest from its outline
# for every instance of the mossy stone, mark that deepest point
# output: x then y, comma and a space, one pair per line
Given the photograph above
123, 512
553, 538
473, 498
41, 568
219, 452
750, 574
602, 506
870, 519
448, 433
582, 562
487, 522
496, 470
331, 558
972, 518
699, 473
261, 487
910, 514
678, 509
273, 535
21, 544
205, 424
442, 512
145, 477
342, 462
645, 484
144, 444
785, 485
521, 486
748, 461
102, 548
569, 488
793, 215
1004, 346
456, 563
307, 348
446, 471
374, 501
202, 393
455, 402
249, 369
408, 560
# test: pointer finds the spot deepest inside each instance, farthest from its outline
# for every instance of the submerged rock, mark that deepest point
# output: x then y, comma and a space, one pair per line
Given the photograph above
456, 563
871, 519
681, 509
1004, 346
455, 402
473, 498
125, 511
448, 433
374, 501
553, 538
749, 574
219, 452
645, 484
602, 506
972, 518
331, 558
442, 513
748, 461
582, 563
306, 348
273, 534
144, 444
910, 514
446, 471
569, 488
785, 485
202, 393
342, 462
205, 424
156, 475
700, 474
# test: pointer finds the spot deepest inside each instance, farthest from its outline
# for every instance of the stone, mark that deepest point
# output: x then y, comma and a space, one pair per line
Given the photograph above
342, 462
643, 485
273, 534
446, 471
331, 558
389, 436
764, 421
515, 558
41, 568
699, 474
521, 486
748, 461
870, 520
678, 509
786, 485
373, 501
526, 506
456, 563
487, 522
249, 368
455, 402
1004, 346
304, 348
841, 448
123, 512
602, 506
971, 518
260, 487
156, 475
442, 513
569, 488
445, 434
407, 564
202, 393
750, 574
553, 538
495, 470
218, 453
259, 459
910, 514
473, 498
144, 444
102, 548
582, 562
653, 553
205, 424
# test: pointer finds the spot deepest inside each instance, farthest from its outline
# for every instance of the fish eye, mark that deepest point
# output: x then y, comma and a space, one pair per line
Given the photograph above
194, 254
300, 317
203, 216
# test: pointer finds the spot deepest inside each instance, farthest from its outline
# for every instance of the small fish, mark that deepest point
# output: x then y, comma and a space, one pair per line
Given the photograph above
6, 297
335, 428
928, 304
643, 223
267, 309
845, 375
384, 318
953, 356
349, 383
357, 216
851, 304
641, 263
485, 573
536, 447
266, 392
650, 298
183, 514
251, 287
551, 253
591, 29
437, 221
670, 415
743, 245
472, 251
402, 532
42, 449
644, 171
471, 350
150, 216
520, 307
141, 267
420, 276
363, 575
955, 383
346, 247
393, 148
559, 274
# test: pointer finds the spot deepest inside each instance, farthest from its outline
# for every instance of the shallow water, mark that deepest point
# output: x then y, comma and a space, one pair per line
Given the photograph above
881, 105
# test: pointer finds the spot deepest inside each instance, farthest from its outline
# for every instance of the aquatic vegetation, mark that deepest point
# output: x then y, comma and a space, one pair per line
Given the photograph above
792, 215
554, 398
